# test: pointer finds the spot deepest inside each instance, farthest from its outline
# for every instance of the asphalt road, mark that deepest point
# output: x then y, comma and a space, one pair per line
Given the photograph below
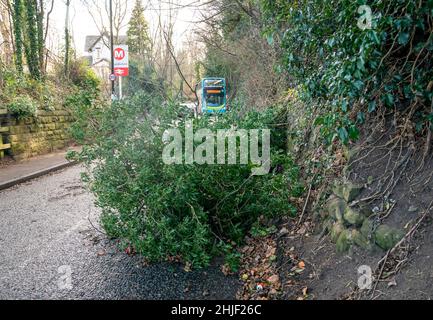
50, 248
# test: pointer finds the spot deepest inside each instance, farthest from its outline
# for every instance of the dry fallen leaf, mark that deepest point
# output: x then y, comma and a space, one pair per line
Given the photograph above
187, 267
274, 279
101, 253
305, 291
271, 252
301, 265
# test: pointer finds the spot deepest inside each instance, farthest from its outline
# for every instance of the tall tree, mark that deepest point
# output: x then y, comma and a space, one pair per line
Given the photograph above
18, 34
138, 32
6, 38
31, 44
67, 39
30, 29
39, 6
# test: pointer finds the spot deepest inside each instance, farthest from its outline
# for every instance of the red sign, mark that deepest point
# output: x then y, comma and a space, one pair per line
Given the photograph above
121, 61
121, 72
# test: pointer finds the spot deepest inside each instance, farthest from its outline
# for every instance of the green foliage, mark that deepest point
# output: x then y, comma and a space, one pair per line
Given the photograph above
29, 38
17, 24
232, 258
84, 101
185, 211
138, 35
142, 77
82, 76
260, 231
23, 95
23, 107
31, 44
351, 71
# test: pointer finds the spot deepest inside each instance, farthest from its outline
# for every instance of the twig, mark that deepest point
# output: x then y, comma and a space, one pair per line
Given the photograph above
307, 200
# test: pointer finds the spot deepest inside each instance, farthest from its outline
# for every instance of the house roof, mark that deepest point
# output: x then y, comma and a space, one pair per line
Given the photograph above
92, 40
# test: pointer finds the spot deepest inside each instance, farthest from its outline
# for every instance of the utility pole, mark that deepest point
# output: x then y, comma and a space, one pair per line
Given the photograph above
112, 50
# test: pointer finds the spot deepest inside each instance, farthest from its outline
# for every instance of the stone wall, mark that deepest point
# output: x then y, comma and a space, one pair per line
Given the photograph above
45, 133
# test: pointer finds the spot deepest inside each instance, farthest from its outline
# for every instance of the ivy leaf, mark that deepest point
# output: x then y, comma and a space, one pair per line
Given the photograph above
372, 106
343, 135
374, 37
389, 99
353, 133
344, 106
319, 121
361, 64
403, 38
358, 85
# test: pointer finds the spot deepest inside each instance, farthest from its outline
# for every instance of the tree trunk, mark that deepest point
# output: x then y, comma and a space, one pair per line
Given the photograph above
67, 39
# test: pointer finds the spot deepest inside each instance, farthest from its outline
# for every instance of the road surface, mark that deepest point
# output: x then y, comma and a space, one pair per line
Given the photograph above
51, 248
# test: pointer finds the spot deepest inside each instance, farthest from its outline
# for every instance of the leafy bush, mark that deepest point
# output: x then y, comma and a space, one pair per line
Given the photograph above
142, 77
82, 76
184, 211
84, 101
355, 71
23, 107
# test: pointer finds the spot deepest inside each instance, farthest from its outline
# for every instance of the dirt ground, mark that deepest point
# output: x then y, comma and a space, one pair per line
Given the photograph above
398, 184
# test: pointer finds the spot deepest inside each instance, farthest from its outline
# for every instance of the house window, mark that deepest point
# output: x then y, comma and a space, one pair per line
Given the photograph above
98, 53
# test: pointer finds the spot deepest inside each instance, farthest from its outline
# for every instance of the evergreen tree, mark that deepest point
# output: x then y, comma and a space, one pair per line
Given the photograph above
138, 37
18, 24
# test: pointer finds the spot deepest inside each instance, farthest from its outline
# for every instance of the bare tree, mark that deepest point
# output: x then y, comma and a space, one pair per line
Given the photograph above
6, 34
100, 13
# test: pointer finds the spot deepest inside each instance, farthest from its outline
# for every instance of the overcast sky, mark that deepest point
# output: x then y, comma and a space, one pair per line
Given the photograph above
83, 25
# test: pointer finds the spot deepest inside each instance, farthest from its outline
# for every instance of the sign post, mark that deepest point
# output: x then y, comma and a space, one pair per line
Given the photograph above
112, 49
120, 88
121, 64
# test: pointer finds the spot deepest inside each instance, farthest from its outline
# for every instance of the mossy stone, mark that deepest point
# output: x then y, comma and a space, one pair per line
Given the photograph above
361, 241
351, 191
338, 190
367, 228
344, 241
365, 210
335, 208
353, 217
387, 237
347, 191
336, 230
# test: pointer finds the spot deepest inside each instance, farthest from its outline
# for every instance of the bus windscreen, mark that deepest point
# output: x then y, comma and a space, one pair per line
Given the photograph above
214, 97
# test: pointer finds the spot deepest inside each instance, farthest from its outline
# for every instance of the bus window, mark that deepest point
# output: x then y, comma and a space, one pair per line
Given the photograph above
215, 99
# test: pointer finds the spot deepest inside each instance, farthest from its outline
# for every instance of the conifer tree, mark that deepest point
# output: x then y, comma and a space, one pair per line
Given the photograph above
138, 37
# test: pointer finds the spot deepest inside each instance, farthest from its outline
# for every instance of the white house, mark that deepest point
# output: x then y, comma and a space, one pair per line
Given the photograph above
99, 54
